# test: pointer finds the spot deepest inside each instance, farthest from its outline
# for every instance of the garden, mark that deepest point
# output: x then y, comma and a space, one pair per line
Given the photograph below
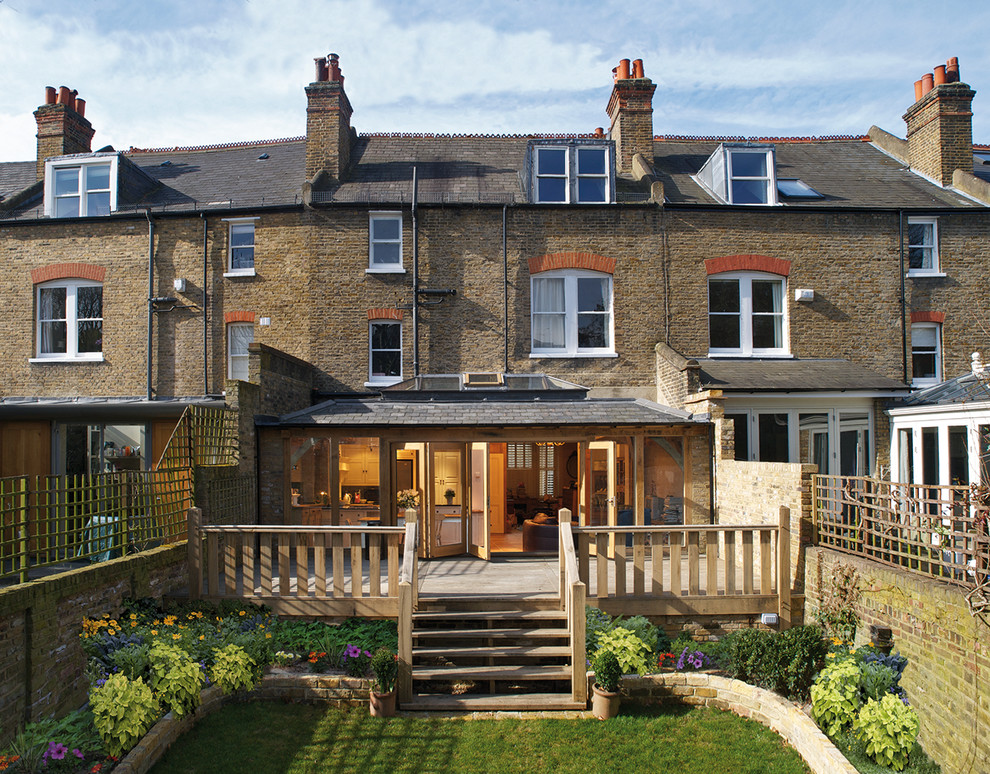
148, 661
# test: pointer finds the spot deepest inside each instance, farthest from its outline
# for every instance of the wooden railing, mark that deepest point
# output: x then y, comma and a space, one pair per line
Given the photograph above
313, 571
408, 599
50, 520
931, 530
692, 569
572, 598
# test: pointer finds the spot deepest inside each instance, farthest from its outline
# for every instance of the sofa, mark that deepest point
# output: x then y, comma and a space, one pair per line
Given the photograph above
538, 536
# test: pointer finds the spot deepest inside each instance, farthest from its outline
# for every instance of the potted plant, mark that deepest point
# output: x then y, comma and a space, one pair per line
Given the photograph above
385, 668
449, 494
605, 692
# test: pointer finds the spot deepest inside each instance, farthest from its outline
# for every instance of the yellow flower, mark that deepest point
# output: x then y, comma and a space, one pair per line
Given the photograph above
241, 613
133, 616
154, 632
202, 637
268, 635
176, 636
133, 624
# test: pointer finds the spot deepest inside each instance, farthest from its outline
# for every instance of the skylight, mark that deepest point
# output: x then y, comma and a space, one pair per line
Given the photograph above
983, 156
797, 189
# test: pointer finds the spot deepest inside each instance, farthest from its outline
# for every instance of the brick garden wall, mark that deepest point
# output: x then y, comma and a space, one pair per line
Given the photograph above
41, 660
948, 653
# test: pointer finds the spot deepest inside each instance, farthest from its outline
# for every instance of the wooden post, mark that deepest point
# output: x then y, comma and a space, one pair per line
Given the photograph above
386, 497
784, 568
194, 548
405, 623
563, 517
23, 531
582, 488
639, 477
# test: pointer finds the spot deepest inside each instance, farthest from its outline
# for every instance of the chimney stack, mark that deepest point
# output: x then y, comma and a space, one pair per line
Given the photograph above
62, 126
940, 124
328, 121
630, 109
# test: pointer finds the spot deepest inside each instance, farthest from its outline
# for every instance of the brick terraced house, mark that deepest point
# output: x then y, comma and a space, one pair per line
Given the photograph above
509, 325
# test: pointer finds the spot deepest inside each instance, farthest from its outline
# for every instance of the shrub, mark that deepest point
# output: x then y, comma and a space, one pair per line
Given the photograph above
176, 679
875, 680
123, 711
802, 652
835, 696
355, 661
642, 628
890, 729
595, 622
607, 671
743, 652
630, 651
385, 668
232, 669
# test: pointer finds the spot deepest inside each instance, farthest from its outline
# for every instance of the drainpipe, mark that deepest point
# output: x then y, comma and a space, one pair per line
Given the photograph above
505, 290
151, 292
206, 332
415, 277
900, 247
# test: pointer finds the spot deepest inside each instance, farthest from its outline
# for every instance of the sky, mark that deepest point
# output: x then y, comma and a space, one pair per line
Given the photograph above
160, 73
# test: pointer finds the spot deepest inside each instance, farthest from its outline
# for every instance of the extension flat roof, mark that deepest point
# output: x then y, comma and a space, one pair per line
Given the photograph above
792, 375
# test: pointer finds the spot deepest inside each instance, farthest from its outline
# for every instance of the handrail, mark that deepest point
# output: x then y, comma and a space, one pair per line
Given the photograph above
408, 571
573, 597
679, 528
568, 553
290, 528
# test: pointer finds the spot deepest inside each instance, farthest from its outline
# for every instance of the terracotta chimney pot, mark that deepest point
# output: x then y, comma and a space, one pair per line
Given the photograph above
81, 107
917, 91
50, 95
940, 75
335, 69
927, 83
952, 70
637, 68
623, 74
321, 68
64, 95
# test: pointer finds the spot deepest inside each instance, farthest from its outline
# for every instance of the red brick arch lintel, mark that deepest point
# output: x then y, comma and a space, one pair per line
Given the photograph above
929, 317
589, 261
238, 317
764, 263
386, 314
59, 271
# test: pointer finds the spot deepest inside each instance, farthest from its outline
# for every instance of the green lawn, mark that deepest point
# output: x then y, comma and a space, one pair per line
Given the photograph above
267, 737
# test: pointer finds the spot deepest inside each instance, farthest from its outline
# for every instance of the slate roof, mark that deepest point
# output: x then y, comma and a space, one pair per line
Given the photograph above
850, 172
484, 412
968, 388
791, 375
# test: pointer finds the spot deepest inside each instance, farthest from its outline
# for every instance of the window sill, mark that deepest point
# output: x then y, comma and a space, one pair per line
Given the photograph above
571, 355
63, 360
917, 273
753, 355
383, 383
385, 270
240, 273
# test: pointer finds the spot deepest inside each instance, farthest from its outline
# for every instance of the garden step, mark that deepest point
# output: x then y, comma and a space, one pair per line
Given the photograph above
496, 632
509, 672
518, 651
529, 702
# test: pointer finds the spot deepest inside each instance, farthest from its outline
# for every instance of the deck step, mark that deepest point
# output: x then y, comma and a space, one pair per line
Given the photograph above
505, 651
496, 632
530, 702
494, 615
508, 672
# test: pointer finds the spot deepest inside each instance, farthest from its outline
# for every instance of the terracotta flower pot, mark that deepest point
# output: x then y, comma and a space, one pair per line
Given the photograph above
383, 704
604, 705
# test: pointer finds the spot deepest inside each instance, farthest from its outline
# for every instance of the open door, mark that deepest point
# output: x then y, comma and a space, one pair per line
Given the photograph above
479, 542
449, 498
600, 470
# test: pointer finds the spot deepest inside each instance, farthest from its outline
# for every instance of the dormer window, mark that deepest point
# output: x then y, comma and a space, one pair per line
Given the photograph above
579, 171
741, 174
80, 187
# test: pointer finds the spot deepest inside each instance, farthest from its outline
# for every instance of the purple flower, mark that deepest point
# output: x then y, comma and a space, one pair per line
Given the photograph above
57, 750
78, 753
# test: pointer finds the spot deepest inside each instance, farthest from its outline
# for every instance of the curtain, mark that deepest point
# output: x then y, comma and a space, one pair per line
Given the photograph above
548, 313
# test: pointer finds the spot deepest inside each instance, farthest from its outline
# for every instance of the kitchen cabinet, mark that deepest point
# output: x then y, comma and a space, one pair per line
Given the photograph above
359, 465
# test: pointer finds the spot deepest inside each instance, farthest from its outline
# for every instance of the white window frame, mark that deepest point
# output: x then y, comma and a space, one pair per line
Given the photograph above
769, 180
241, 357
937, 328
384, 268
570, 348
233, 223
80, 163
746, 348
380, 380
72, 320
572, 174
935, 269
716, 174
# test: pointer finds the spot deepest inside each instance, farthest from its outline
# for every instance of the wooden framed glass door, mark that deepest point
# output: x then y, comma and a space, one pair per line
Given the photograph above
449, 499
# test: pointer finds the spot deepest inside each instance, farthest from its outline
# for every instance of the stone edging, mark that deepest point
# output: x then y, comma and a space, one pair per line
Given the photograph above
773, 711
692, 688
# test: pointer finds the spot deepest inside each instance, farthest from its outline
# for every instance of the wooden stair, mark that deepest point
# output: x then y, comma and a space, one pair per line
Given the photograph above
516, 658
